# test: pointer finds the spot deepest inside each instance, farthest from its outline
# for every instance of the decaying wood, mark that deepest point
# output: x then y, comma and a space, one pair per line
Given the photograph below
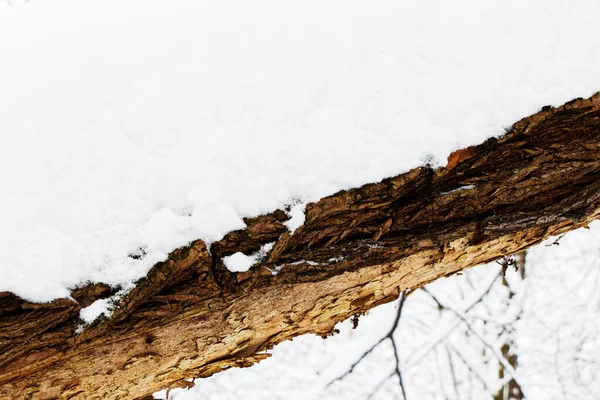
190, 317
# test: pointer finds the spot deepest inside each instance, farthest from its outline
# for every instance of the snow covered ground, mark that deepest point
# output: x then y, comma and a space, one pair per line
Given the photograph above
138, 125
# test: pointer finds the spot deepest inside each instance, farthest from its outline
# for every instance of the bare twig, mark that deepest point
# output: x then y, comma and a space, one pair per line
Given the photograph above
439, 334
379, 385
507, 367
390, 335
556, 241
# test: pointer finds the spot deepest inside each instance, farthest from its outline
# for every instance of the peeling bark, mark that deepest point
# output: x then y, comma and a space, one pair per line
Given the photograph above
191, 317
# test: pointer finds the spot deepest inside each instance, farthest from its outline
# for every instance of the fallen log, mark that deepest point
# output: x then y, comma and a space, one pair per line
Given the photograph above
191, 317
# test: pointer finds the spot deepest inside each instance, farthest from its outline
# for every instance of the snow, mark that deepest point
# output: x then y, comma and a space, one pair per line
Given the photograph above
141, 124
297, 217
239, 262
466, 187
93, 311
104, 306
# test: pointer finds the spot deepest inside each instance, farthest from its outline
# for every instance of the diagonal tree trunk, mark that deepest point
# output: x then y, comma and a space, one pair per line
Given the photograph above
191, 317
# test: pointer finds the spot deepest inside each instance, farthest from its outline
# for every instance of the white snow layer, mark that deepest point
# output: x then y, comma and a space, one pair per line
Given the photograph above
93, 311
144, 124
239, 262
297, 216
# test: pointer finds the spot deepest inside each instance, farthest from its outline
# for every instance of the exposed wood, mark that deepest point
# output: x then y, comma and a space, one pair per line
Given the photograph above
359, 248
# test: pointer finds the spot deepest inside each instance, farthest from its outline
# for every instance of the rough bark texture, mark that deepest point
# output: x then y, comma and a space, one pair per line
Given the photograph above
190, 317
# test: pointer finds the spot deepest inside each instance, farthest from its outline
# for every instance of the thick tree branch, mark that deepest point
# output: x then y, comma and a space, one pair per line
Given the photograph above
357, 249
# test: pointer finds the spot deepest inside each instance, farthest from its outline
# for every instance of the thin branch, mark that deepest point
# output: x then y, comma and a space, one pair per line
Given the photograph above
452, 372
390, 336
379, 385
557, 241
471, 368
418, 354
507, 367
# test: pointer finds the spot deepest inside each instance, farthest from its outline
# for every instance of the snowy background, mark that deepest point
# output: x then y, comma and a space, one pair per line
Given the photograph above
144, 124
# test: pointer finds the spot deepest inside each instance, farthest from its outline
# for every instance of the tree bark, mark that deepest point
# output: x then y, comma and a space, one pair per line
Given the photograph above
191, 317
